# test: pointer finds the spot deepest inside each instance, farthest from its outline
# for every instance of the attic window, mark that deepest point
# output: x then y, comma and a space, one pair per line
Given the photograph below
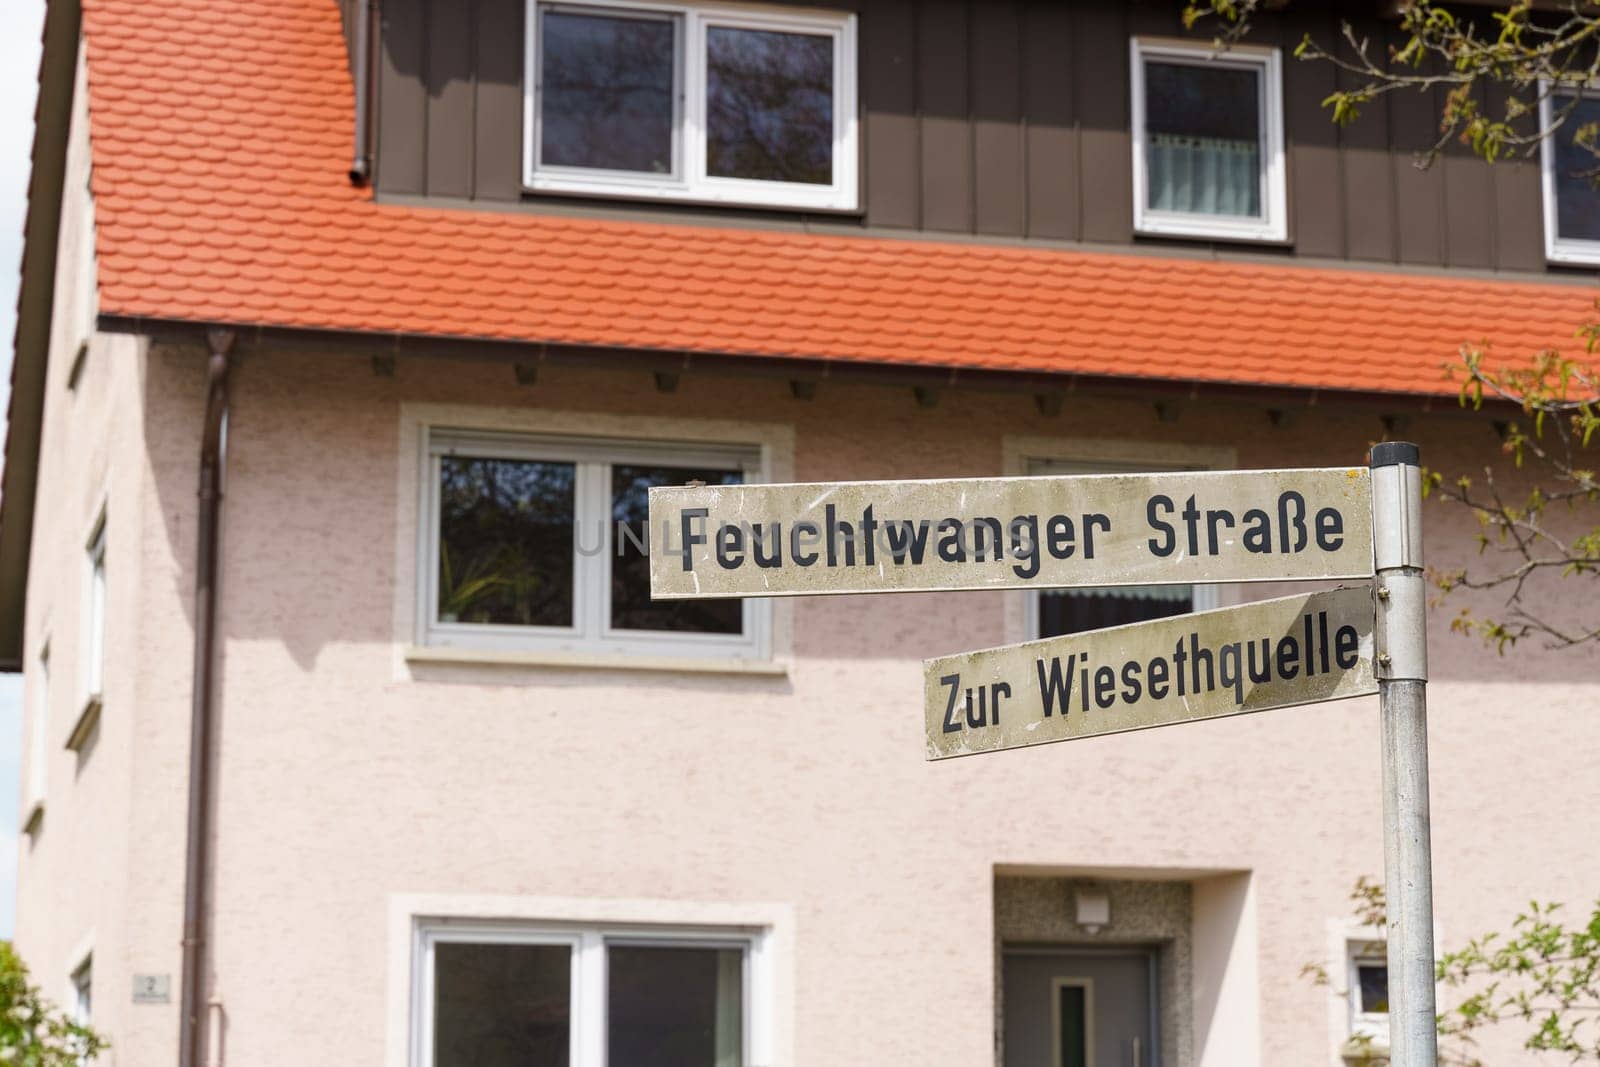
1208, 142
671, 102
1571, 170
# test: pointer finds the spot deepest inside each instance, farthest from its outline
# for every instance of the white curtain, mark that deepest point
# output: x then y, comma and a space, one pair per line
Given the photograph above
1203, 175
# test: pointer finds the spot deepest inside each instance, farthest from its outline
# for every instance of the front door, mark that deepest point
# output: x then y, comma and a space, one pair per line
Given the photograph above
1088, 1008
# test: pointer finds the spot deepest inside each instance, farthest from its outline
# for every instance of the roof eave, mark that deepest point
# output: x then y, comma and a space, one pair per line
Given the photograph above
534, 353
35, 297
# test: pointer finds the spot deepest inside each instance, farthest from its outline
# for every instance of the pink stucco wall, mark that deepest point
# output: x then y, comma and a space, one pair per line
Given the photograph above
347, 775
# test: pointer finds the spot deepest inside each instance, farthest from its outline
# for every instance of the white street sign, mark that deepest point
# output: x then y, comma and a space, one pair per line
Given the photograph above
1270, 654
997, 533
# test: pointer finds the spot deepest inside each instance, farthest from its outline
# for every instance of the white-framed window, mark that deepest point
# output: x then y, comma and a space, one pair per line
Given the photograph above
38, 740
1054, 612
94, 616
1208, 156
505, 994
82, 983
541, 543
1571, 196
1368, 981
705, 102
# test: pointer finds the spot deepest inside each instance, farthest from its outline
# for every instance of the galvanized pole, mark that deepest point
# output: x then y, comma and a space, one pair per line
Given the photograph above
1401, 638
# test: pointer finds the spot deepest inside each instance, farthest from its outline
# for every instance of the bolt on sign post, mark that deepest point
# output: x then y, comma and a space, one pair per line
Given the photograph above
1351, 523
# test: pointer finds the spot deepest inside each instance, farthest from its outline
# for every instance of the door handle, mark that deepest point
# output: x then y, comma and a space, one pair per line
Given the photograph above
1138, 1054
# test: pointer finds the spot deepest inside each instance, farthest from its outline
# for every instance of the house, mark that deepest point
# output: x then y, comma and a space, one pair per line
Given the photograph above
350, 336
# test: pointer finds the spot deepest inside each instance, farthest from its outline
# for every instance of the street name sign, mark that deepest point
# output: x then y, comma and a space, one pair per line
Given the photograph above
1128, 529
1270, 654
1002, 533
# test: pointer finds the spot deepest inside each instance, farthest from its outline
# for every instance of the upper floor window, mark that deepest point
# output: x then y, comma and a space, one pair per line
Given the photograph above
94, 649
542, 542
1208, 156
38, 742
1571, 195
729, 105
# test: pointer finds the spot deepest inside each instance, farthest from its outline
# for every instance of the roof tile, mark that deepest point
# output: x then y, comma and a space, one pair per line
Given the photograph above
221, 194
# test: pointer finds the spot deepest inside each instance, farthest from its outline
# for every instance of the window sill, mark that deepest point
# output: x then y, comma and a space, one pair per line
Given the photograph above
88, 719
491, 657
1199, 231
1569, 253
33, 822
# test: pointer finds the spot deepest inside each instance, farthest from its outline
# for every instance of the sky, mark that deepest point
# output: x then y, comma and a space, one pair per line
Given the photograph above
20, 22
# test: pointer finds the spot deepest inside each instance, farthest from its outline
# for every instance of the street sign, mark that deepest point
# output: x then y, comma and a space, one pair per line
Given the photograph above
1128, 529
1270, 654
998, 533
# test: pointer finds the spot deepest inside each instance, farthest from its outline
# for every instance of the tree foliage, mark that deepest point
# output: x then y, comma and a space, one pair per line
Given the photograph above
33, 1032
1542, 517
1531, 53
1542, 975
1549, 528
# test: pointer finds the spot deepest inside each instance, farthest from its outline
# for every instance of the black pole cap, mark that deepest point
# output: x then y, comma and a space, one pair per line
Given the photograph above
1396, 454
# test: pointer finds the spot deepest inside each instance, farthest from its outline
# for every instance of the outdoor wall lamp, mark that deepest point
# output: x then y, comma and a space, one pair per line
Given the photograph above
1094, 909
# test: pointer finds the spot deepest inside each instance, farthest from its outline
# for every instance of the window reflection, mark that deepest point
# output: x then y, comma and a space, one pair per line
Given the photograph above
606, 91
505, 541
769, 105
1577, 199
631, 606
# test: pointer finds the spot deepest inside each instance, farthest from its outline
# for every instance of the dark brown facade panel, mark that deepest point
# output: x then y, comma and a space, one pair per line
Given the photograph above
1369, 193
1316, 178
996, 117
1469, 208
1518, 201
448, 56
888, 81
497, 114
1419, 192
999, 194
1100, 88
1519, 215
402, 99
1050, 143
942, 99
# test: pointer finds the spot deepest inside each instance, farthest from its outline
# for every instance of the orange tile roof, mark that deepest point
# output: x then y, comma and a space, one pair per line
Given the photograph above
221, 136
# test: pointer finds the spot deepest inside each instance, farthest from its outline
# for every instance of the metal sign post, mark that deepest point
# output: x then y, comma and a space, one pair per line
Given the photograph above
1401, 638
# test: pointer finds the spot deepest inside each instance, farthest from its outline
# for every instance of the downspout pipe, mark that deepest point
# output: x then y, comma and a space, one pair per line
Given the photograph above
213, 458
361, 163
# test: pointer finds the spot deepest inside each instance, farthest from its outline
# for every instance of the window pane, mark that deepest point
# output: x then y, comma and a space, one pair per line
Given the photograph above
631, 606
1577, 199
1372, 981
769, 105
1074, 1036
97, 617
675, 1007
606, 91
1071, 611
505, 541
1203, 139
501, 1005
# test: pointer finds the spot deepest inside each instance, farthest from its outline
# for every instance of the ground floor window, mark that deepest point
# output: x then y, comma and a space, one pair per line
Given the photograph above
1056, 612
1369, 992
542, 543
509, 995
